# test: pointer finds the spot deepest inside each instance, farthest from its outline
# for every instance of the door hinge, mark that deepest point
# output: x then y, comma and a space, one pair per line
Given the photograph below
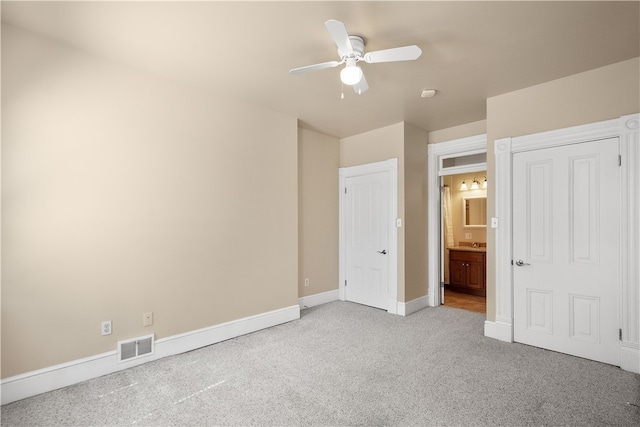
620, 334
345, 283
619, 159
345, 190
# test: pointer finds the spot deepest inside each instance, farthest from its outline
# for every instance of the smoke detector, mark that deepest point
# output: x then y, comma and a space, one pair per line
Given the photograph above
428, 93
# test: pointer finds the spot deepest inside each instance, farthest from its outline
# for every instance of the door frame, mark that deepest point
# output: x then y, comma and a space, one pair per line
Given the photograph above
390, 166
436, 155
626, 129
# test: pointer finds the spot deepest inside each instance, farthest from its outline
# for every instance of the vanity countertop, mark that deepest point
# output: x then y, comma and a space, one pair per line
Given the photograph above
468, 248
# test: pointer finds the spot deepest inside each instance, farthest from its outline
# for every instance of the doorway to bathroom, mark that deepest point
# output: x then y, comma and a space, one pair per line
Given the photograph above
457, 220
464, 240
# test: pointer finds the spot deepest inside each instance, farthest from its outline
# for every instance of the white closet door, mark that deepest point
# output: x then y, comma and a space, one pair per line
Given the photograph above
566, 244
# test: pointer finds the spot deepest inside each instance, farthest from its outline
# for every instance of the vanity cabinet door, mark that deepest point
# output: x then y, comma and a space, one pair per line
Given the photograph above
467, 272
457, 272
475, 277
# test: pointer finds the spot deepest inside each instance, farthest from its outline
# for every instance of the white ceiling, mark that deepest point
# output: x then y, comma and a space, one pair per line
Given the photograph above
470, 50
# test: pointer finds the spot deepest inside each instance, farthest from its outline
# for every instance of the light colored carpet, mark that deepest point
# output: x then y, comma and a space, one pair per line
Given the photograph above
346, 364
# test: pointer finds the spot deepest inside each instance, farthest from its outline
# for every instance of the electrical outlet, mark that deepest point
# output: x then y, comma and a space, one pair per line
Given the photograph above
147, 319
306, 282
468, 236
106, 327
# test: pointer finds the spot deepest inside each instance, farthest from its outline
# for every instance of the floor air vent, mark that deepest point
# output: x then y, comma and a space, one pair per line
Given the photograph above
135, 348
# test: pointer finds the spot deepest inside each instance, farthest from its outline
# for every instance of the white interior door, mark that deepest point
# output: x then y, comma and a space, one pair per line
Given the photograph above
367, 239
566, 249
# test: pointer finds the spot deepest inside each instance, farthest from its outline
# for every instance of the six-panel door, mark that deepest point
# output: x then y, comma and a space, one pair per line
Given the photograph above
566, 249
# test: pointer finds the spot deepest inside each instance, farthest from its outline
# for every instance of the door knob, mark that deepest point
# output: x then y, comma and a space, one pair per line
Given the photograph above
383, 252
520, 263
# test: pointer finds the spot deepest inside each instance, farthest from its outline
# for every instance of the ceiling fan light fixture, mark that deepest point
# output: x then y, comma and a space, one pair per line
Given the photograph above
351, 75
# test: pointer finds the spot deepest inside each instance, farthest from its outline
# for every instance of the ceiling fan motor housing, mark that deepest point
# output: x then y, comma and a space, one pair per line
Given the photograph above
357, 43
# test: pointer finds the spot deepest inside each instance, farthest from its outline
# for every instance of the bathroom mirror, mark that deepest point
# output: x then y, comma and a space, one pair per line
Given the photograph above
474, 211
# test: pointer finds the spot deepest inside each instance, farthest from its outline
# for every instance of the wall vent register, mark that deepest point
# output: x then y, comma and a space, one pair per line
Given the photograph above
135, 348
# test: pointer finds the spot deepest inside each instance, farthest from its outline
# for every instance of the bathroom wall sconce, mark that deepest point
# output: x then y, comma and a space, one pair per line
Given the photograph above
475, 184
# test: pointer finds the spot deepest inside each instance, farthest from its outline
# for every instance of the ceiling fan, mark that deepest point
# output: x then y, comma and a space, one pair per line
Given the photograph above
351, 51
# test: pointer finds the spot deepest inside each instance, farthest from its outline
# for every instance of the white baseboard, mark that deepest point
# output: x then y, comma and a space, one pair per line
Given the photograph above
318, 299
498, 330
432, 299
630, 357
392, 305
406, 308
58, 376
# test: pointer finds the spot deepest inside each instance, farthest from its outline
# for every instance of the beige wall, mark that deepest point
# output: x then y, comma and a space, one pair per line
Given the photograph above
124, 193
318, 162
457, 132
415, 212
596, 95
374, 146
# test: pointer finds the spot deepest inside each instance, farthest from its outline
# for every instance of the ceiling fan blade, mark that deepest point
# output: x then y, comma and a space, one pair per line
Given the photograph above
361, 87
340, 36
406, 53
314, 67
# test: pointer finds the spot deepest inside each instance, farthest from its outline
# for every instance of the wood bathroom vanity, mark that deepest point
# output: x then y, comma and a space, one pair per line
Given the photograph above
467, 270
